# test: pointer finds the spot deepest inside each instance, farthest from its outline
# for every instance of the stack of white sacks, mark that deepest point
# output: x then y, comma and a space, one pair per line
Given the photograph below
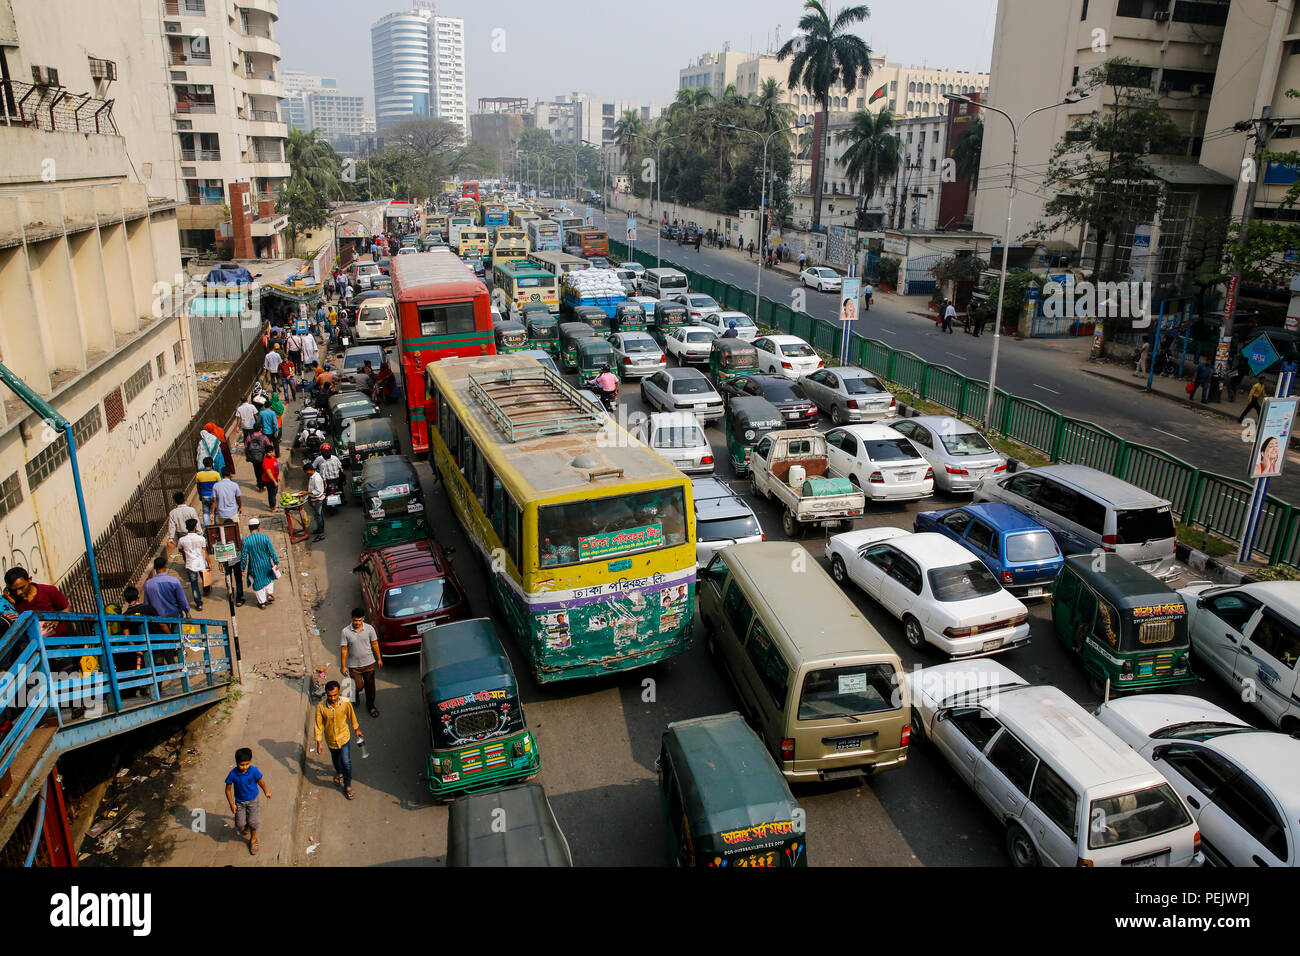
594, 283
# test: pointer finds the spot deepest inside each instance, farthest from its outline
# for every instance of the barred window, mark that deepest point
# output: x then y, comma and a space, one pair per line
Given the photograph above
177, 352
134, 385
47, 461
114, 408
11, 494
87, 425
162, 367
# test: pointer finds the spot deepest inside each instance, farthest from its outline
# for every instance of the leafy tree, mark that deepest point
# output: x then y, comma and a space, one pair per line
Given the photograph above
774, 112
874, 152
425, 137
966, 153
826, 55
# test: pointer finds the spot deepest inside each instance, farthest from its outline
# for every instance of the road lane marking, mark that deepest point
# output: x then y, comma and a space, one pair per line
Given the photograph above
1163, 432
1046, 389
955, 355
888, 332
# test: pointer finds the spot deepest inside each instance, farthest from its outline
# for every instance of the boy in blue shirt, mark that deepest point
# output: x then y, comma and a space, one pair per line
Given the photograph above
241, 791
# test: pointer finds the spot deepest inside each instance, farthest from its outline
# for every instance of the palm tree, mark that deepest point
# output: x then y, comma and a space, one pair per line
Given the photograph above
626, 130
874, 154
825, 56
966, 153
313, 163
774, 112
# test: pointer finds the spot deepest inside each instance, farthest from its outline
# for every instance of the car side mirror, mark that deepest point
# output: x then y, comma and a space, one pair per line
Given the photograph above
942, 716
1159, 753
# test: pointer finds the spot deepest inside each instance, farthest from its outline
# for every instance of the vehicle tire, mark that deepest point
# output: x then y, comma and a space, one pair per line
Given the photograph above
789, 525
754, 489
836, 417
918, 729
1020, 848
838, 571
913, 634
853, 480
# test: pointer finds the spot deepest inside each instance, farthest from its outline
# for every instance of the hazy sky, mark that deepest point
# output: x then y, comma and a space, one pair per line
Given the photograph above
558, 46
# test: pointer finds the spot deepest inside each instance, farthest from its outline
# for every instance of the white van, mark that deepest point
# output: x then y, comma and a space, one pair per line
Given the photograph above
1067, 789
661, 283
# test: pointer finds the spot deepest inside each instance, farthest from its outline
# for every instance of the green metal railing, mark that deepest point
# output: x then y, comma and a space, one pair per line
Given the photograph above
1199, 499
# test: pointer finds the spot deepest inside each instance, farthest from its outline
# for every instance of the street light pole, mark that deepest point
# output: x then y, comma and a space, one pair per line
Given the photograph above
762, 199
1006, 229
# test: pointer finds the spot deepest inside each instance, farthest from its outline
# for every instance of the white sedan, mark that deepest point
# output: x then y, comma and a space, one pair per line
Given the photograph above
678, 437
689, 343
698, 305
879, 461
1242, 784
786, 355
943, 595
821, 278
719, 322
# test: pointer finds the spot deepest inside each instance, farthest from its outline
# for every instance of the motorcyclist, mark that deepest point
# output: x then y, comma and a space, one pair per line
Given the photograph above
607, 383
731, 332
330, 468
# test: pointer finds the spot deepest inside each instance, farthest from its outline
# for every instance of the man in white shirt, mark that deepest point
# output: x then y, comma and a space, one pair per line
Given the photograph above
247, 415
316, 499
949, 314
177, 518
309, 351
271, 367
194, 549
329, 466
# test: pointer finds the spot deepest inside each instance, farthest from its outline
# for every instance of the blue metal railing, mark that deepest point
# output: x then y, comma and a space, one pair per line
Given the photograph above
81, 678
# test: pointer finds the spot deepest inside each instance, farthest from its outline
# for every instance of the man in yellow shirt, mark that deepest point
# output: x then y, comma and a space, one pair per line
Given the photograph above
1257, 394
333, 716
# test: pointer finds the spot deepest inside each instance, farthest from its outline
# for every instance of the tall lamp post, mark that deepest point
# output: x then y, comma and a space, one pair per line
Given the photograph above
659, 192
762, 194
1006, 230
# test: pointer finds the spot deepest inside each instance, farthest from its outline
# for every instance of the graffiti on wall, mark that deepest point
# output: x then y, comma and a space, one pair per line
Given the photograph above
149, 426
21, 549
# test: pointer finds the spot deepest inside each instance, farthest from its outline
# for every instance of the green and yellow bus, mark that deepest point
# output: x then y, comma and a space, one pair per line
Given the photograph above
587, 538
510, 243
522, 282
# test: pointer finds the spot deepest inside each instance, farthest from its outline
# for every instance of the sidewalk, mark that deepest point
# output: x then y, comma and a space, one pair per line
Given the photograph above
1166, 388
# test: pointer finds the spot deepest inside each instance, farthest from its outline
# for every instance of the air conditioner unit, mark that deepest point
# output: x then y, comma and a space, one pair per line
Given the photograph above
171, 28
45, 76
1161, 16
102, 69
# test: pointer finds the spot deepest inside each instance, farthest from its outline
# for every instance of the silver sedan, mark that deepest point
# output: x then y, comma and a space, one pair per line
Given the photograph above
638, 354
959, 455
849, 394
682, 390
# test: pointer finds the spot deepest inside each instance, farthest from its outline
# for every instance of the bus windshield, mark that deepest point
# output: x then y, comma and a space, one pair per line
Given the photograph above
601, 528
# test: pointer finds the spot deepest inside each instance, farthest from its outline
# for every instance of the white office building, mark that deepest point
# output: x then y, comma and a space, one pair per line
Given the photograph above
418, 61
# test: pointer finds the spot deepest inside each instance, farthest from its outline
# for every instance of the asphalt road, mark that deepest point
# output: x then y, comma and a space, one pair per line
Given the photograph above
599, 738
1045, 370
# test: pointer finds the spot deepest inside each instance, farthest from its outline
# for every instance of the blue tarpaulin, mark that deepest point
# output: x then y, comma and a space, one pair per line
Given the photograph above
229, 274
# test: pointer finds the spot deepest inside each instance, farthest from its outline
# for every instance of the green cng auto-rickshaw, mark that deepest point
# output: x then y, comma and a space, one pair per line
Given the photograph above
1126, 625
594, 316
510, 337
593, 355
362, 439
629, 317
725, 801
571, 333
668, 316
748, 419
543, 331
392, 501
731, 358
513, 826
477, 735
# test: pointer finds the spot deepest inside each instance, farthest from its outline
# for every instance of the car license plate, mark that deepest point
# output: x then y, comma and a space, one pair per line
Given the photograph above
992, 645
904, 475
849, 743
1153, 860
425, 627
1034, 592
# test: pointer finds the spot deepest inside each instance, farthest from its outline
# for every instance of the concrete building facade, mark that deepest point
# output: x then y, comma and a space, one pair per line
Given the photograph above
418, 62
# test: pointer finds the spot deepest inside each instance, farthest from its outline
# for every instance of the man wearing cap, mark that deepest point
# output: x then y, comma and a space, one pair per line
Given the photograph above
260, 563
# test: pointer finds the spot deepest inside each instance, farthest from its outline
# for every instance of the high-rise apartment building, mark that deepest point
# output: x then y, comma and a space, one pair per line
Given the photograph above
316, 102
418, 59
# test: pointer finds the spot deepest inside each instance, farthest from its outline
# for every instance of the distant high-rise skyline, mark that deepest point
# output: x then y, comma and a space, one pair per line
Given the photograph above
418, 64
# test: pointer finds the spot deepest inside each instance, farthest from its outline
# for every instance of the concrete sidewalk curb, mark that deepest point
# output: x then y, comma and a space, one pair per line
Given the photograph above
1140, 385
1212, 568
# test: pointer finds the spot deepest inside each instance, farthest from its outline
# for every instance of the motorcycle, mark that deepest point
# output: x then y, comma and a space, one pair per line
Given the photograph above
609, 400
333, 493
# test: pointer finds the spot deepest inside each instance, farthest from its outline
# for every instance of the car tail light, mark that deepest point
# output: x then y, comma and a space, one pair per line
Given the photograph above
955, 471
877, 478
956, 632
821, 364
1001, 467
905, 737
663, 360
1196, 842
1018, 619
929, 475
853, 403
787, 748
1108, 542
787, 365
706, 460
1082, 862
893, 402
1008, 577
627, 361
763, 537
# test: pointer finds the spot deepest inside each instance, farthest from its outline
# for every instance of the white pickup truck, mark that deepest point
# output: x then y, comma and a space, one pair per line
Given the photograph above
791, 467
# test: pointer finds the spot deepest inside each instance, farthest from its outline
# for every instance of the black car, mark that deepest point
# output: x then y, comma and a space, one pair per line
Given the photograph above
668, 232
788, 397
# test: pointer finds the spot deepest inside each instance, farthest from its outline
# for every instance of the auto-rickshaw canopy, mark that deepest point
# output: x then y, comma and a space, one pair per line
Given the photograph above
573, 332
593, 315
510, 334
750, 417
541, 324
595, 352
1137, 598
388, 483
733, 355
469, 686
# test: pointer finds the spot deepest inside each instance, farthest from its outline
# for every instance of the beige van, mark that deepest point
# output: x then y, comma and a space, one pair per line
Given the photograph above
816, 680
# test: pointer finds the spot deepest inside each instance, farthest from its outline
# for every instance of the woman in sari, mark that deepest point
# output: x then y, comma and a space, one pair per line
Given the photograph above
210, 447
227, 467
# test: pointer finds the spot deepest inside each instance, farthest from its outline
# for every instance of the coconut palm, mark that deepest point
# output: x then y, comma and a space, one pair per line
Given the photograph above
874, 153
313, 164
626, 130
966, 154
826, 55
773, 111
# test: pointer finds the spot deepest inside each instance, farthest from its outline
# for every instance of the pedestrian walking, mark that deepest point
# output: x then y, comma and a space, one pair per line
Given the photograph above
1201, 381
293, 348
316, 499
949, 313
269, 422
310, 352
227, 500
259, 446
803, 257
25, 595
198, 565
206, 479
210, 447
271, 367
227, 460
359, 656
177, 517
751, 250
697, 241
334, 717
1143, 358
242, 784
165, 596
288, 382
260, 563
271, 478
1257, 394
868, 293
981, 317
247, 415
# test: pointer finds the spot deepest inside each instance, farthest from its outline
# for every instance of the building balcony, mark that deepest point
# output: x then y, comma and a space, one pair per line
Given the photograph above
259, 84
271, 168
185, 8
271, 7
272, 127
189, 59
187, 107
256, 43
201, 155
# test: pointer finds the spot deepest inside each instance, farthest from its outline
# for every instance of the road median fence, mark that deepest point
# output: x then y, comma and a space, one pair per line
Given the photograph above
1201, 499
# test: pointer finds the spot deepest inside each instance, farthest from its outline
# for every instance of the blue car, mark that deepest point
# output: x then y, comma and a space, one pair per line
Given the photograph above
1020, 552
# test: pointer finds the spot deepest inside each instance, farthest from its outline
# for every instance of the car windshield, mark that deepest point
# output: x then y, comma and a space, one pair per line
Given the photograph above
961, 582
1140, 525
798, 350
890, 449
691, 386
699, 336
640, 345
843, 691
780, 390
742, 321
728, 529
1135, 816
356, 361
1031, 546
678, 436
702, 302
423, 597
862, 386
966, 443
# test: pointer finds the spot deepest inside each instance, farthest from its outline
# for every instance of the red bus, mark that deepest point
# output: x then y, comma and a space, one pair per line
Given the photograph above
470, 189
442, 311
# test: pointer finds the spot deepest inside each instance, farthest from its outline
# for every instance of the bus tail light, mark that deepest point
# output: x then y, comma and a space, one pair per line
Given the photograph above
787, 748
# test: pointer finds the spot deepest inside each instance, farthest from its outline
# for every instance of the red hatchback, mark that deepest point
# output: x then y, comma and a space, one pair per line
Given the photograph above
409, 589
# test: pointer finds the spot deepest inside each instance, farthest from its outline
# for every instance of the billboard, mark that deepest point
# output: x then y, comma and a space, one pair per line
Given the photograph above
1272, 437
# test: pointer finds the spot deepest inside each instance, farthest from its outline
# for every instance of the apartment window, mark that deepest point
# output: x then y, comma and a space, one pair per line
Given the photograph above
134, 385
1074, 80
160, 361
11, 494
1084, 14
114, 408
1197, 82
177, 352
1120, 74
1203, 12
1144, 9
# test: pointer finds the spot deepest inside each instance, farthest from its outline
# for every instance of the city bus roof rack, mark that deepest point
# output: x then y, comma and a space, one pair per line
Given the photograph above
532, 402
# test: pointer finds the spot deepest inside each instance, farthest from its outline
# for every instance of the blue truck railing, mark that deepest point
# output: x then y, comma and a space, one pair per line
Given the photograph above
85, 677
